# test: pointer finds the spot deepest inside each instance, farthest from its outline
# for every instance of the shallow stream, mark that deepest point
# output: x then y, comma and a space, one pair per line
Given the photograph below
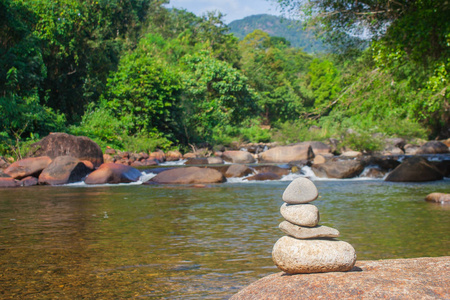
182, 242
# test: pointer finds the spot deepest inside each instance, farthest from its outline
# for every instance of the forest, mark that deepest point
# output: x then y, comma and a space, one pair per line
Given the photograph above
136, 76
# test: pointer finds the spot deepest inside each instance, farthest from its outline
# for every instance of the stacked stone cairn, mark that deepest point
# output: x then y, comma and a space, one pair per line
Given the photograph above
308, 247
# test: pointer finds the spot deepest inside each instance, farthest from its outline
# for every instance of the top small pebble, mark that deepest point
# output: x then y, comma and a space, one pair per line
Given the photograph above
301, 190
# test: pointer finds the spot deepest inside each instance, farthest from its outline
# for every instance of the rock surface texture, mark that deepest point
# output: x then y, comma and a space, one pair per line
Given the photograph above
415, 278
308, 248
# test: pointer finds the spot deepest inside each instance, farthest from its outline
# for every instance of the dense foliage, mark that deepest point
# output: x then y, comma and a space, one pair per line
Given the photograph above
134, 75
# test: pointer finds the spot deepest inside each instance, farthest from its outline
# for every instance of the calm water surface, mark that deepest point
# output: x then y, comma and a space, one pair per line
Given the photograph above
182, 242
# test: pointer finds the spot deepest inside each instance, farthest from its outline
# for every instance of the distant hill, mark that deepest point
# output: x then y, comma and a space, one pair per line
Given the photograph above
278, 26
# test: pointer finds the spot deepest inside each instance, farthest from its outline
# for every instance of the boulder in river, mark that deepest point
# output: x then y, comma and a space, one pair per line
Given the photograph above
28, 181
286, 154
63, 170
237, 170
264, 176
415, 169
238, 157
113, 173
320, 148
438, 197
433, 147
295, 256
173, 156
272, 169
189, 175
31, 166
63, 144
339, 169
8, 182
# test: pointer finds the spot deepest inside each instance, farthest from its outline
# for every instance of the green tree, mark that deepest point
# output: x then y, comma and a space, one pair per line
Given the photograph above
277, 73
145, 90
215, 95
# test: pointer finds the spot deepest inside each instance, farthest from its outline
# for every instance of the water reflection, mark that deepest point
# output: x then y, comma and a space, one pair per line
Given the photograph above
179, 242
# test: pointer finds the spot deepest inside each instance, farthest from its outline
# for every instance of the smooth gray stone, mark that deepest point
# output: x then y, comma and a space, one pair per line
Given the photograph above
301, 190
300, 214
301, 232
295, 256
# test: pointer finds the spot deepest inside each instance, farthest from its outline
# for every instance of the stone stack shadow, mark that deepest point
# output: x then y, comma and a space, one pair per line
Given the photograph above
308, 247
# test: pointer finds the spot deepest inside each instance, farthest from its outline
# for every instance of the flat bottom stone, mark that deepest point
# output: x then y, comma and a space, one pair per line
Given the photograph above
414, 278
295, 256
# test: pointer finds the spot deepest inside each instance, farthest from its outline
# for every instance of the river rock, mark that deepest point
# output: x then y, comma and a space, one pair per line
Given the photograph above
238, 170
300, 232
339, 169
351, 154
300, 214
412, 278
286, 154
319, 159
238, 157
433, 147
320, 148
63, 170
196, 161
272, 169
415, 169
214, 160
295, 256
301, 190
63, 144
374, 173
264, 176
8, 182
158, 155
438, 197
31, 166
173, 156
190, 175
113, 173
29, 181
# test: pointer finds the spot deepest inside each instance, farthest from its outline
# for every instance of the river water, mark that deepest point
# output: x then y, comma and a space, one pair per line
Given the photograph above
185, 242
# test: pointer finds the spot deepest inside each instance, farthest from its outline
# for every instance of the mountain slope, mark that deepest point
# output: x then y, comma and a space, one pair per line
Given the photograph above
278, 26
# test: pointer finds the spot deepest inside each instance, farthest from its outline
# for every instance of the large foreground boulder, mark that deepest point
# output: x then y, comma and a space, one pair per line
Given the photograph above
190, 175
416, 278
63, 170
415, 169
339, 169
113, 173
286, 154
63, 144
31, 166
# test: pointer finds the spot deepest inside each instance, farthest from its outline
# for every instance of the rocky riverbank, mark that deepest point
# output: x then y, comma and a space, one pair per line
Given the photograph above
62, 158
414, 278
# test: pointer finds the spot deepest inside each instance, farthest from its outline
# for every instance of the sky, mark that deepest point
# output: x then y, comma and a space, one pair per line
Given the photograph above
233, 9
